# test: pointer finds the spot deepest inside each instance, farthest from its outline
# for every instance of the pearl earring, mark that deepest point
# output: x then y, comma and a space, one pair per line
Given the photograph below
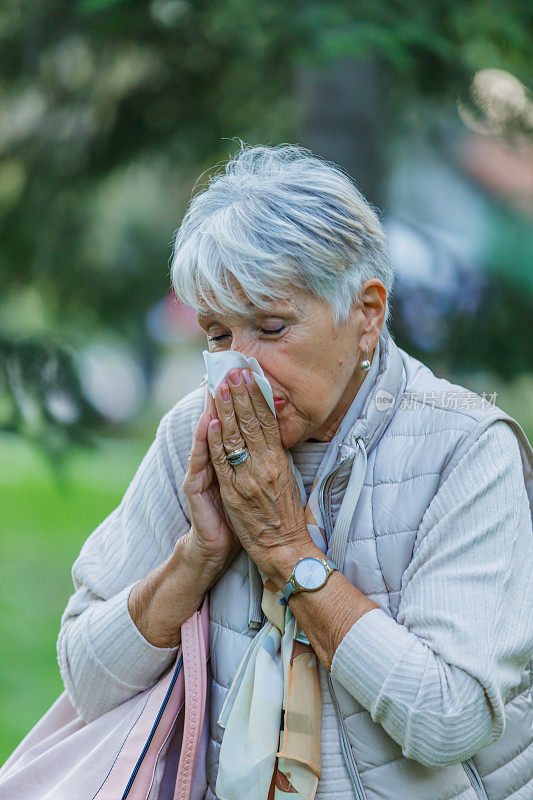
365, 365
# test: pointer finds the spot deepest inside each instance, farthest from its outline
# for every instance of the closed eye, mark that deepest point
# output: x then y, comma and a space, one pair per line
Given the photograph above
263, 330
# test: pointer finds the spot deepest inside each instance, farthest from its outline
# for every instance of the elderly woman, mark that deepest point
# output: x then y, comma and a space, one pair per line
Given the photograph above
367, 548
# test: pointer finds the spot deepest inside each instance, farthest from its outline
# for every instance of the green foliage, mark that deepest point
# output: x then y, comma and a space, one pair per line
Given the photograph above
428, 48
93, 94
41, 398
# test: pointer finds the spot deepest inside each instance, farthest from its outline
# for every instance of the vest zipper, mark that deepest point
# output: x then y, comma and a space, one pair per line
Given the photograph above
355, 780
325, 485
475, 779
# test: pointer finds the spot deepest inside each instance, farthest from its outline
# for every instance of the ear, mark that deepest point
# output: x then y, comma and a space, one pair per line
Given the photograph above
373, 300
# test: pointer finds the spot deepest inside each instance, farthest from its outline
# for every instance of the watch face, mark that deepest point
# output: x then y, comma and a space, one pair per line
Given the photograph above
310, 573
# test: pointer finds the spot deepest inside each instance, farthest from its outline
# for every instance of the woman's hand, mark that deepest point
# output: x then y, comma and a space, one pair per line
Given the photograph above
211, 539
160, 603
261, 496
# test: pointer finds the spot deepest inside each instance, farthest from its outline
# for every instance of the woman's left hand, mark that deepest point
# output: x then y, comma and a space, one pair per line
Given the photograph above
261, 495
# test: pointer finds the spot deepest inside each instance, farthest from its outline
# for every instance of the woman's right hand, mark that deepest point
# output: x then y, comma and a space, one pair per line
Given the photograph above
211, 538
160, 603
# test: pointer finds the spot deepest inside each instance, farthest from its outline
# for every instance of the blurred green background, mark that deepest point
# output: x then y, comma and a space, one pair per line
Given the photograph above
110, 112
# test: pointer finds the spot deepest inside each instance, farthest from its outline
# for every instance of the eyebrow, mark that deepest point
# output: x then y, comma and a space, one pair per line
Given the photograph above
207, 315
203, 317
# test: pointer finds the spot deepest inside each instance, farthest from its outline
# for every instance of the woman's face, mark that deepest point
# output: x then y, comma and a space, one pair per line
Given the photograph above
314, 367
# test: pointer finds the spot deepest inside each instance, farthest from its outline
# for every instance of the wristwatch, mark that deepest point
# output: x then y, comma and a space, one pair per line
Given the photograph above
308, 575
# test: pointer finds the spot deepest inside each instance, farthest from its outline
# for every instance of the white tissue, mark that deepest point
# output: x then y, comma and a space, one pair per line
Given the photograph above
218, 364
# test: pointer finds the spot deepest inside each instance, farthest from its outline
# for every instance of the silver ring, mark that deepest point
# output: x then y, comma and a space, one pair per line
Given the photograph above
237, 457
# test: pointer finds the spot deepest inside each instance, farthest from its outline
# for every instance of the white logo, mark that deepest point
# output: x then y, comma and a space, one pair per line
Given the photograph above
384, 400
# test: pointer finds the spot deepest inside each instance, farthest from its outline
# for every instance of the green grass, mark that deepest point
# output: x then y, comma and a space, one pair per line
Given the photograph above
42, 528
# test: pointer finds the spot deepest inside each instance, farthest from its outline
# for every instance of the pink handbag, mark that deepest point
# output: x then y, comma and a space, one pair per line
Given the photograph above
152, 747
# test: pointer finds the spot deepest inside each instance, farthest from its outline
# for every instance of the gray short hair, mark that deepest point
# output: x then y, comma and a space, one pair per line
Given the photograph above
278, 218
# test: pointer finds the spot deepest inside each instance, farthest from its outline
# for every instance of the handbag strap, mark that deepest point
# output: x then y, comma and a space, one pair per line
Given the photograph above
194, 637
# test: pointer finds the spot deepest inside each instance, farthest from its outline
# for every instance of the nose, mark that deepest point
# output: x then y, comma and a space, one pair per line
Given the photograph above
241, 345
246, 347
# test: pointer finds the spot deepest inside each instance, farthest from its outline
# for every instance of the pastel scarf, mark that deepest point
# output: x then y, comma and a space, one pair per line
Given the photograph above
272, 714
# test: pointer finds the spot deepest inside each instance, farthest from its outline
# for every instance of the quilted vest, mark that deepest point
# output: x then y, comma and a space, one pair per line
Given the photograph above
373, 552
